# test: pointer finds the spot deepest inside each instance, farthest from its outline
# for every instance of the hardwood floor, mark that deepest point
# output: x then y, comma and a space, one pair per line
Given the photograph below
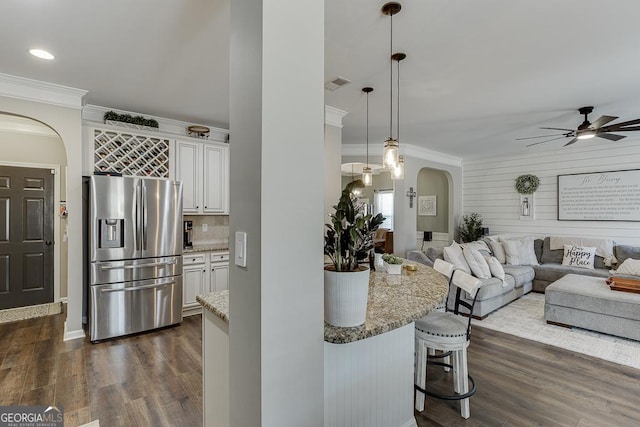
151, 379
525, 383
154, 379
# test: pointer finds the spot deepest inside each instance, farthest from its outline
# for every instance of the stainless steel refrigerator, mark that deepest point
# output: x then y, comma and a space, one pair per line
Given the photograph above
135, 255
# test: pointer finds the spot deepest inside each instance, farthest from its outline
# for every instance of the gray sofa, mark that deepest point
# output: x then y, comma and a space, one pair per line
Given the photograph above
523, 279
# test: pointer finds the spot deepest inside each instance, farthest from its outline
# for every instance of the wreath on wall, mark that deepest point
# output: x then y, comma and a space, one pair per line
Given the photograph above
527, 184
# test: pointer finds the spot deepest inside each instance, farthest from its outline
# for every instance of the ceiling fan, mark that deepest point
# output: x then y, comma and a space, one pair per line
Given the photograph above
589, 130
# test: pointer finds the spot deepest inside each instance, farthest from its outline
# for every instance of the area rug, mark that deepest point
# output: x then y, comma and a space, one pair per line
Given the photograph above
525, 318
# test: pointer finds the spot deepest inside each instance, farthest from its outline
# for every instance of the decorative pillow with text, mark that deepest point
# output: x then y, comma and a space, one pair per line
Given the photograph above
579, 256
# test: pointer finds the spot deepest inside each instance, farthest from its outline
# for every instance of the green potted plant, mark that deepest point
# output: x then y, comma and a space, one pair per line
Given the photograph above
347, 242
471, 227
392, 263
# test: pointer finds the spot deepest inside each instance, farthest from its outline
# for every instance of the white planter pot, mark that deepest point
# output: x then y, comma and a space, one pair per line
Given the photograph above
345, 297
393, 268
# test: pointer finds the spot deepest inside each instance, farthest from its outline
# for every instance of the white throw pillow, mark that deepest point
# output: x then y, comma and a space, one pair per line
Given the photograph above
477, 263
630, 266
498, 251
520, 251
496, 269
579, 256
453, 254
477, 245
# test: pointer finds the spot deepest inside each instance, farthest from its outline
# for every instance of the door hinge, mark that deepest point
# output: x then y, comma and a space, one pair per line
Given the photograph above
53, 171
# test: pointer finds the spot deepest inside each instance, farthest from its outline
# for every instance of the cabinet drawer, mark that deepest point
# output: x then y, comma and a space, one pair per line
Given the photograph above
190, 259
219, 256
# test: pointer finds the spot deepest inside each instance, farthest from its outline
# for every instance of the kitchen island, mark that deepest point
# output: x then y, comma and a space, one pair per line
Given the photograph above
368, 372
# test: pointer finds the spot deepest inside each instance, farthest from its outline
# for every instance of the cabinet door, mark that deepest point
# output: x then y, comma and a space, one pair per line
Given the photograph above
219, 278
194, 283
215, 172
188, 170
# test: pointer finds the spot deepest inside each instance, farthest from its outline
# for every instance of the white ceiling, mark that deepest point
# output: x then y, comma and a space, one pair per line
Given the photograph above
478, 74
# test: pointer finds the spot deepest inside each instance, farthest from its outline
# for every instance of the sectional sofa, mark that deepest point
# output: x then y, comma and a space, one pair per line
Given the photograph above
521, 279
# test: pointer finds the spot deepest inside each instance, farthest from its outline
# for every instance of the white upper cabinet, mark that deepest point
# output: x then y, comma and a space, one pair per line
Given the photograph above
204, 172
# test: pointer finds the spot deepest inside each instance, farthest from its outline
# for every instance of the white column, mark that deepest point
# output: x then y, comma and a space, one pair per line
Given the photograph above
332, 158
276, 325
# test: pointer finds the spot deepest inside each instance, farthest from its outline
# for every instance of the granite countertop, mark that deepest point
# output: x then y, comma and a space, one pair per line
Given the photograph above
216, 302
394, 301
214, 247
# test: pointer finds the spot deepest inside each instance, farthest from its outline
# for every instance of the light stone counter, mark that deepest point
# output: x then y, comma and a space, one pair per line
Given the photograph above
394, 301
216, 247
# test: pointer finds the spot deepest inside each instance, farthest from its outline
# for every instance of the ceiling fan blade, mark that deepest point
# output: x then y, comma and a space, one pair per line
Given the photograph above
610, 136
573, 141
623, 124
541, 136
616, 129
548, 140
602, 120
570, 130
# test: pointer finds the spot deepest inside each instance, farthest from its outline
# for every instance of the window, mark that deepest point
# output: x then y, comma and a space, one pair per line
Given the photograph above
384, 205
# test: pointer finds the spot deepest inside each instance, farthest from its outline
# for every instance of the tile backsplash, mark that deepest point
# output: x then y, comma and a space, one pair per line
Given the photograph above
217, 229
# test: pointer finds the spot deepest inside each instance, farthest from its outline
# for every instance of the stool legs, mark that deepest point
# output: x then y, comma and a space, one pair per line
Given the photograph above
463, 381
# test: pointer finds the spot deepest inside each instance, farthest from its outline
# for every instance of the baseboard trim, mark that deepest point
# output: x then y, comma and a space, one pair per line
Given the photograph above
72, 335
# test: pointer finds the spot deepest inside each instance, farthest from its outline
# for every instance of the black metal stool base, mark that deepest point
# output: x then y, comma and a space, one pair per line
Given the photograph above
448, 396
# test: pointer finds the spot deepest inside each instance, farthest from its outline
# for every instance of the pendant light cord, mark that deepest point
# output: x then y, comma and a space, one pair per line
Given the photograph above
391, 81
398, 107
367, 129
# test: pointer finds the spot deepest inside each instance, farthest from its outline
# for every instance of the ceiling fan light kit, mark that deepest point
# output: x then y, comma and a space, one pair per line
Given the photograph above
588, 130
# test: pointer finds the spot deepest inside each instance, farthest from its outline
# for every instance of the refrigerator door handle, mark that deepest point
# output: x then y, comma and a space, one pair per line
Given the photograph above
136, 221
144, 217
133, 267
138, 288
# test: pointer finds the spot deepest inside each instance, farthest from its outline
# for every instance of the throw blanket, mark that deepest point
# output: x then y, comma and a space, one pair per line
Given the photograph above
604, 247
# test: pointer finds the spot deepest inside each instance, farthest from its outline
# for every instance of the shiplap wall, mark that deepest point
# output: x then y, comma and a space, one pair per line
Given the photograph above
488, 188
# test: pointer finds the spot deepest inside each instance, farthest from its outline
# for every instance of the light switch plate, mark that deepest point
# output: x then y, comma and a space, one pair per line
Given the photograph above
241, 249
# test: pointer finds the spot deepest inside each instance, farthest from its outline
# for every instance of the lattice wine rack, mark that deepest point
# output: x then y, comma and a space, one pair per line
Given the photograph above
130, 154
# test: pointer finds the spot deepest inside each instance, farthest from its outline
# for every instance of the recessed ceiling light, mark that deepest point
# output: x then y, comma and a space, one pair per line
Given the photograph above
41, 54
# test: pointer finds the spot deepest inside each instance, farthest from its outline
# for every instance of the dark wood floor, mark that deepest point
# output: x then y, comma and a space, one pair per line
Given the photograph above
524, 383
154, 379
151, 379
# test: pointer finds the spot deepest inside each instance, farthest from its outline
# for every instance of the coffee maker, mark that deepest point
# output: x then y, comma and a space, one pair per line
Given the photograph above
188, 234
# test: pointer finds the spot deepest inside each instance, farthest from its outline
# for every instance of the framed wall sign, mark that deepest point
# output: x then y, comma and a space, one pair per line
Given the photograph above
599, 196
427, 206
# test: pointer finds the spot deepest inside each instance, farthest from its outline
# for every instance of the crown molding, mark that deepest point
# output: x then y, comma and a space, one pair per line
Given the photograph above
333, 116
95, 113
406, 150
38, 91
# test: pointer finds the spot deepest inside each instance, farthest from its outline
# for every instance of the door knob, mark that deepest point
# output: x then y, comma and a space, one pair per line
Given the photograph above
47, 242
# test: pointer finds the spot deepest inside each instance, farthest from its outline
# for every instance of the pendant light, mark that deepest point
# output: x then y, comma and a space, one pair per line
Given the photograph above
390, 153
367, 176
397, 173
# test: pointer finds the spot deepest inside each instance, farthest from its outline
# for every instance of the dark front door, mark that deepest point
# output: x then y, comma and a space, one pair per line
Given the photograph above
26, 236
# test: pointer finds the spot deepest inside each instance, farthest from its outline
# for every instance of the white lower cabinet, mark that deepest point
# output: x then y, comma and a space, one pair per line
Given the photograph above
202, 272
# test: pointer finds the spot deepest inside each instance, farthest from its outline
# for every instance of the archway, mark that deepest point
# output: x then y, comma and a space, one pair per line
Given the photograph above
433, 207
27, 143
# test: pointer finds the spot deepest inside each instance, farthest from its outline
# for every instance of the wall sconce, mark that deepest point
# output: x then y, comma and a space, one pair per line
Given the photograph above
485, 231
411, 195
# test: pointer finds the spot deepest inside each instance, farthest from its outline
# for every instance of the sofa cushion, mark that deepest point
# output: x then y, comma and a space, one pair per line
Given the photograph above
520, 251
434, 253
537, 247
521, 274
493, 287
477, 263
630, 266
549, 256
623, 252
453, 254
498, 251
551, 272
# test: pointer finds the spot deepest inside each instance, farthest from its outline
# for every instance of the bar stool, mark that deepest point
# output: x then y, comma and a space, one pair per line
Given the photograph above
448, 332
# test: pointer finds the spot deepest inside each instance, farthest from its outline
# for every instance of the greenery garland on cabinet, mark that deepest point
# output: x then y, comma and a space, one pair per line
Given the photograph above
527, 184
128, 118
